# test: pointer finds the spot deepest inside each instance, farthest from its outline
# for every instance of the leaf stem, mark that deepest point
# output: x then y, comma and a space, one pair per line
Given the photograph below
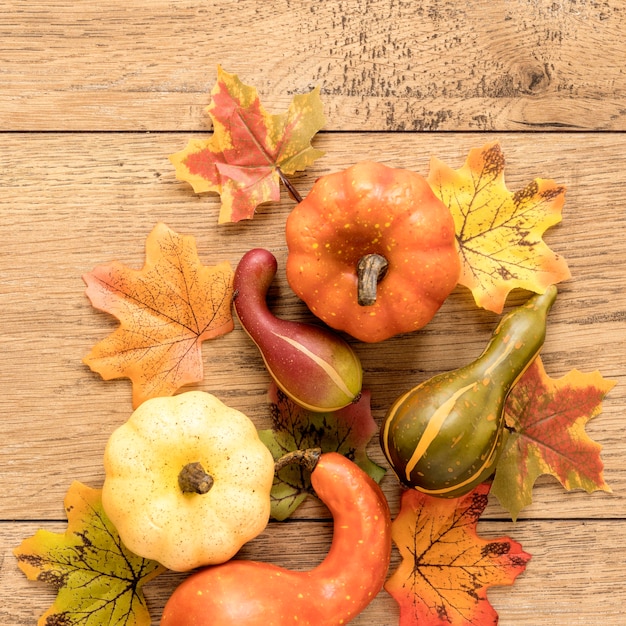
293, 192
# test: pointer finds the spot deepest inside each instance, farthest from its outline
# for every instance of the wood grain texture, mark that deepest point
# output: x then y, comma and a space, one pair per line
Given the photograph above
99, 195
380, 64
568, 581
92, 101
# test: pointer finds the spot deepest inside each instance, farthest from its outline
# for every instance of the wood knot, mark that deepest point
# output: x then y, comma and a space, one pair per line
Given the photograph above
534, 80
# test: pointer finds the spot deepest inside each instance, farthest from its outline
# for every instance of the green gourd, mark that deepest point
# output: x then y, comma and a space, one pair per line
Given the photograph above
444, 436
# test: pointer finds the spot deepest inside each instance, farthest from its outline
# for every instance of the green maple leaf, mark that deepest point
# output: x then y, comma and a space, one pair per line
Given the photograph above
546, 420
346, 431
250, 150
98, 581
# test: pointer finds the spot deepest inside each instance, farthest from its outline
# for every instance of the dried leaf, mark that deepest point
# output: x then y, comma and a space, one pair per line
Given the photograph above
446, 568
547, 421
346, 431
249, 149
98, 581
166, 310
499, 233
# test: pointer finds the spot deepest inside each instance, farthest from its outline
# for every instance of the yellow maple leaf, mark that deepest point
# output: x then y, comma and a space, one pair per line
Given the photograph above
499, 233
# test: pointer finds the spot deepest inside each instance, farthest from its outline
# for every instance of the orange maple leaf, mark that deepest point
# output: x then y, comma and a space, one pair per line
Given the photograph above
166, 310
499, 233
446, 568
546, 420
250, 150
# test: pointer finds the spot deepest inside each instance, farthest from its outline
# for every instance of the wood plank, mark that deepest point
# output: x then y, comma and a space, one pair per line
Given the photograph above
569, 579
70, 202
432, 65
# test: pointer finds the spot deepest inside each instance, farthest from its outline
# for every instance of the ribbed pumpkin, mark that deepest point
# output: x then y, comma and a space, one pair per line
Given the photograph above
444, 436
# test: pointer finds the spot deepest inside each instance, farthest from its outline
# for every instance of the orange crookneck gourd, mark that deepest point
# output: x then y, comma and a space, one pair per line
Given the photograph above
252, 593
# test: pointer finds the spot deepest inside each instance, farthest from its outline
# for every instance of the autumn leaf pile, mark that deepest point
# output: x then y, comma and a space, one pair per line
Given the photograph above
174, 303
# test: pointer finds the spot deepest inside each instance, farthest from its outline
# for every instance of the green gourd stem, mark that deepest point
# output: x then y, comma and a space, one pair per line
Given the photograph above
307, 458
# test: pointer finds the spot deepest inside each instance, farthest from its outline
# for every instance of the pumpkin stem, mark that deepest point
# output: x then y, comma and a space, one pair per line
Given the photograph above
306, 458
194, 479
370, 270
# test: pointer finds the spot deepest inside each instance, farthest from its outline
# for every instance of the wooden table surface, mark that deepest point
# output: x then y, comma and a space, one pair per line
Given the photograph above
95, 96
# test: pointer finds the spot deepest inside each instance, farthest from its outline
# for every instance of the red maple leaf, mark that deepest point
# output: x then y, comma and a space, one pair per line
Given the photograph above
546, 420
250, 150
